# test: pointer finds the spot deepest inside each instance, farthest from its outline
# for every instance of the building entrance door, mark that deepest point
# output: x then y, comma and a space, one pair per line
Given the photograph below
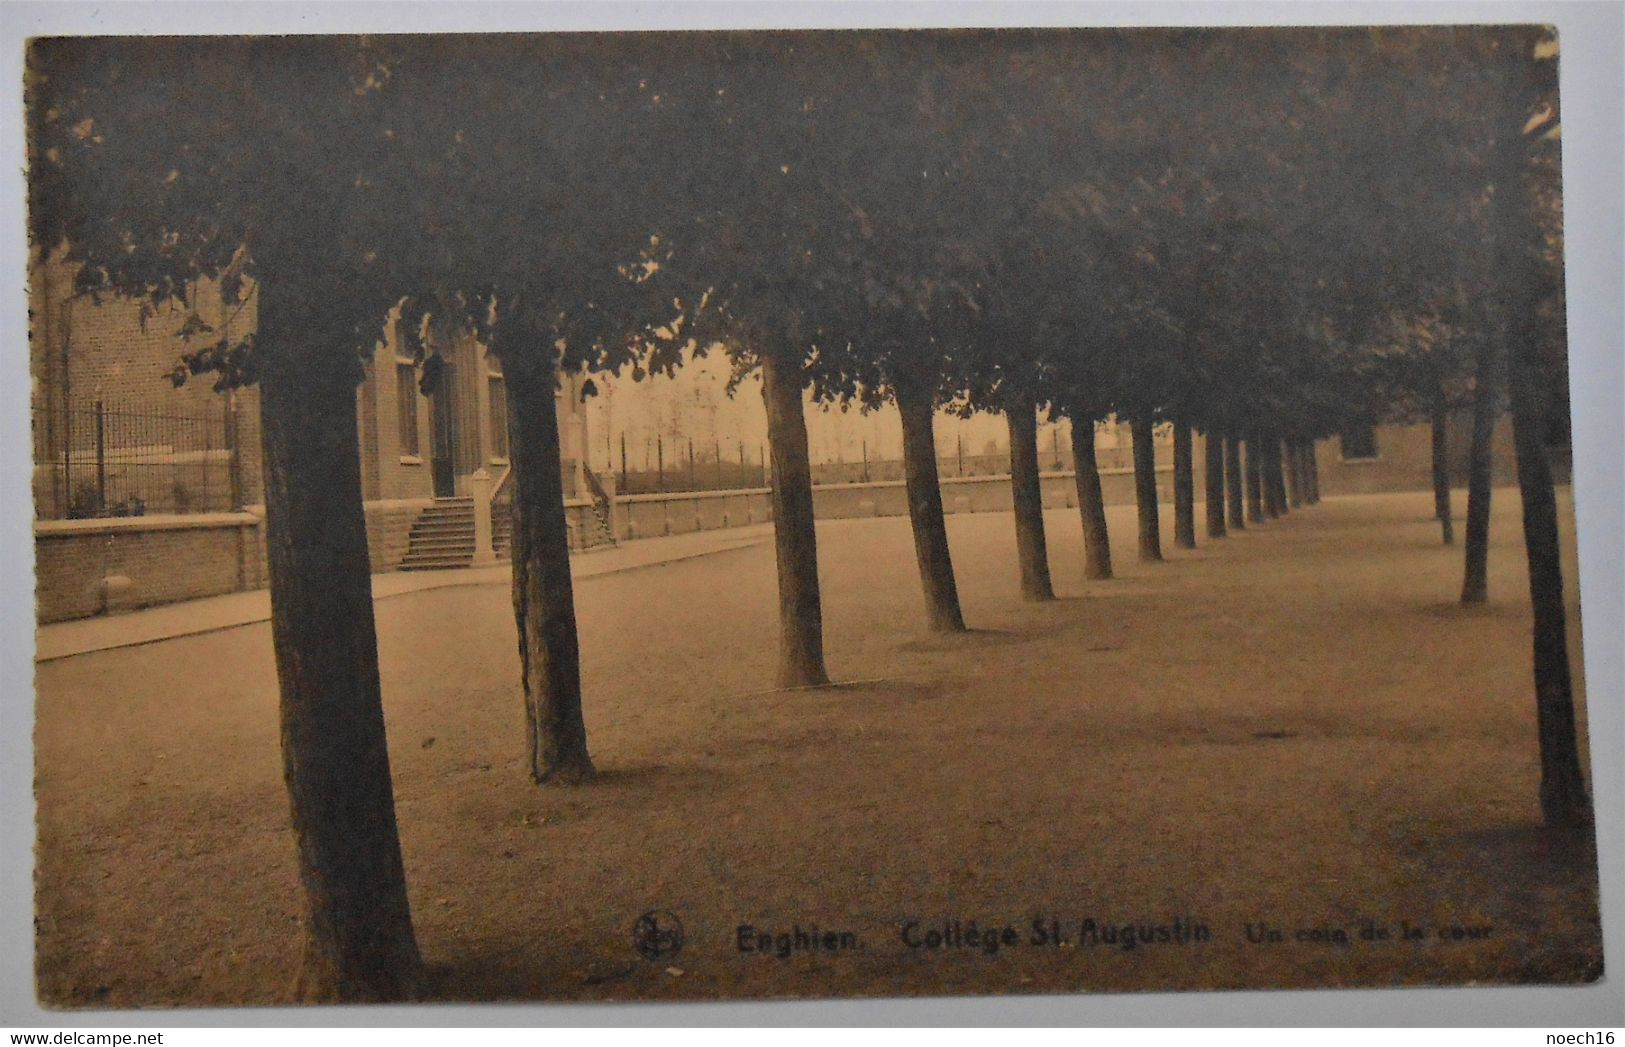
443, 426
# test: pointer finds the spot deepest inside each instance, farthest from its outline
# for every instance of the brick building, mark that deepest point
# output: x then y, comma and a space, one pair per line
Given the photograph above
146, 493
111, 432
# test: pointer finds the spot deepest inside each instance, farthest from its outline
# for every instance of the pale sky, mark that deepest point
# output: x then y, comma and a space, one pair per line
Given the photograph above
695, 404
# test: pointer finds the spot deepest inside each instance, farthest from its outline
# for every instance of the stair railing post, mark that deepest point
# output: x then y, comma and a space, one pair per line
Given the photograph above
101, 458
479, 486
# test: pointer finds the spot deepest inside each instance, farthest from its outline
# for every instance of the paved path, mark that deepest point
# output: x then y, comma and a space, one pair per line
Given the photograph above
66, 639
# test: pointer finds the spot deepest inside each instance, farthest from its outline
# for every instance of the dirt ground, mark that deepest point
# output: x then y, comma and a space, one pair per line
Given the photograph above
1294, 730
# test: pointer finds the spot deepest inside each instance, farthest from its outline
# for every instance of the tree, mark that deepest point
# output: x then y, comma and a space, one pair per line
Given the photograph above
1526, 254
801, 616
1027, 496
1486, 408
1233, 483
526, 234
1145, 488
1184, 487
1290, 475
771, 244
1097, 549
1213, 486
1255, 478
131, 170
1276, 474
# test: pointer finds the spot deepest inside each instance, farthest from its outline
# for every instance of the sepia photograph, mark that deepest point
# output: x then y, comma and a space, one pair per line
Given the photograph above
721, 515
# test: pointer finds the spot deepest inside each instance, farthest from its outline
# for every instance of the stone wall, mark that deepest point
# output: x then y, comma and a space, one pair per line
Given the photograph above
87, 567
655, 515
90, 567
1404, 459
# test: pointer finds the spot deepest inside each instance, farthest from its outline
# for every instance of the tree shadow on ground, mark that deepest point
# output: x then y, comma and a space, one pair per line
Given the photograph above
642, 775
1459, 610
969, 638
1530, 845
890, 686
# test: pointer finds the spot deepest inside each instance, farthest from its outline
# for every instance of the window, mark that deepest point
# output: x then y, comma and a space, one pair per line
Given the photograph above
406, 408
1359, 443
498, 397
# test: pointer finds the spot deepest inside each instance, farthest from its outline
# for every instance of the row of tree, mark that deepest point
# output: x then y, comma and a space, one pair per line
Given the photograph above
1259, 236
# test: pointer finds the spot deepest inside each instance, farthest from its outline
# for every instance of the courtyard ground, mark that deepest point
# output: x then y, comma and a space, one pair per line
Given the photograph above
1296, 730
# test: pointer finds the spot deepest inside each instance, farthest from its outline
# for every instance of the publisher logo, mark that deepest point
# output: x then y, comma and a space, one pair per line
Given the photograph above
658, 934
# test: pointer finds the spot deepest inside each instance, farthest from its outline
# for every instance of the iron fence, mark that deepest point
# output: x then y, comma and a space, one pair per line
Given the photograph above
677, 465
101, 458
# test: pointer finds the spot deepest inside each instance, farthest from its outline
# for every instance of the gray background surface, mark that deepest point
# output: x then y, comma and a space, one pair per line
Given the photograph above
1593, 95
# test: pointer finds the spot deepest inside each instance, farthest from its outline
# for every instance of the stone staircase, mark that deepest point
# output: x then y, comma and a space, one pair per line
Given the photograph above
442, 536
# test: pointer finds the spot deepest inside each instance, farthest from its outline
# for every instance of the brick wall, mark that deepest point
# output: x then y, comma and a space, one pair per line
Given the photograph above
156, 560
390, 471
1404, 460
87, 567
118, 347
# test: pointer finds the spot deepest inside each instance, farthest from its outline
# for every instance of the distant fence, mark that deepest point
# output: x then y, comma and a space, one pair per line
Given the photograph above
680, 512
732, 475
678, 465
112, 460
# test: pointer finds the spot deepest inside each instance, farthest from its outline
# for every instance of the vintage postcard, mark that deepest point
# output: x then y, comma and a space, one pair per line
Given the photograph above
744, 515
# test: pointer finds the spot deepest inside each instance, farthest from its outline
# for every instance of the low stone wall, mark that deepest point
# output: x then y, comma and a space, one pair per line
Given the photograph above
680, 512
979, 494
654, 515
87, 567
389, 530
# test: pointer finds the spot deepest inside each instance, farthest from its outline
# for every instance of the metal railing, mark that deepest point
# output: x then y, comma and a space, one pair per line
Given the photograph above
603, 509
102, 458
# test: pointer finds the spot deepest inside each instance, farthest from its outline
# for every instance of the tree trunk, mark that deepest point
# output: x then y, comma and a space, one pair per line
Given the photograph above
1255, 480
1213, 486
925, 511
1312, 462
1233, 483
1097, 550
1027, 495
1563, 799
1184, 488
1562, 786
1275, 484
359, 944
1145, 489
543, 598
801, 616
1293, 470
1475, 579
1440, 418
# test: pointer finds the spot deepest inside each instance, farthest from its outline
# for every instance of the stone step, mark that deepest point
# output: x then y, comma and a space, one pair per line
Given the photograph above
443, 528
455, 545
434, 565
442, 537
